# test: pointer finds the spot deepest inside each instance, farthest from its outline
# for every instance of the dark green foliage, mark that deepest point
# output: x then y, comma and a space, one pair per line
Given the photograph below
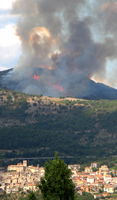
95, 169
73, 128
9, 97
57, 183
81, 169
40, 95
22, 196
85, 196
31, 196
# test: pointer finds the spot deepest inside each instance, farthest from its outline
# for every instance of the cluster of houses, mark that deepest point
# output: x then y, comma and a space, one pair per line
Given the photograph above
21, 177
99, 183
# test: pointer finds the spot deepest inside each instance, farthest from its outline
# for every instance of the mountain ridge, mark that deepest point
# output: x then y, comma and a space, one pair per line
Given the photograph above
86, 88
36, 125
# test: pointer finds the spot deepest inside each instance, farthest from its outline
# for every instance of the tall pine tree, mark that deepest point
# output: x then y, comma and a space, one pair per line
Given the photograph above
57, 183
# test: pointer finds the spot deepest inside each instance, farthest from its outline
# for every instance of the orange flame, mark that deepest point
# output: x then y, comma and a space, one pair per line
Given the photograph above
36, 77
57, 87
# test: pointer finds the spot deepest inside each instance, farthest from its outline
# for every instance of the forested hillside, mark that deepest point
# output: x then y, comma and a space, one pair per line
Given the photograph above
38, 126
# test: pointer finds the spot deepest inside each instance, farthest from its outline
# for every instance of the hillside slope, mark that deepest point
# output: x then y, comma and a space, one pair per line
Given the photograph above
39, 126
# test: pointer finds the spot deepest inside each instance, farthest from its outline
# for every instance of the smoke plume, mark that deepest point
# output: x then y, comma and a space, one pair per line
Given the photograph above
64, 44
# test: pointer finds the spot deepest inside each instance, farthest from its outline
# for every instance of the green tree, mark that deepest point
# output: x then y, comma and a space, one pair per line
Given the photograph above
57, 183
95, 169
81, 168
85, 196
31, 196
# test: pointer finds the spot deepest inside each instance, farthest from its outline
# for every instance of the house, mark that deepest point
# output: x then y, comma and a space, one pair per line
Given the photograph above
107, 178
103, 170
74, 167
105, 194
97, 196
15, 189
115, 180
3, 187
85, 188
109, 188
42, 171
94, 165
33, 169
88, 169
73, 172
90, 179
15, 180
8, 190
30, 186
9, 180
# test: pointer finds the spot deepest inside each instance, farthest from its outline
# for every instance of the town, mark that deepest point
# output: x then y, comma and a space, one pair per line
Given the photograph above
21, 177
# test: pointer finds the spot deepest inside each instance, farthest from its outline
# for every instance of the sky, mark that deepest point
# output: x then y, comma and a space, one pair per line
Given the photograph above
10, 45
53, 35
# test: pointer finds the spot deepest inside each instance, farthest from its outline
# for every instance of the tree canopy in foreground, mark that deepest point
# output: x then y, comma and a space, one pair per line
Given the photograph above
57, 183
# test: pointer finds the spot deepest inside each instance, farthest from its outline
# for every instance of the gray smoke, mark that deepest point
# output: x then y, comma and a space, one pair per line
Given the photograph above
63, 44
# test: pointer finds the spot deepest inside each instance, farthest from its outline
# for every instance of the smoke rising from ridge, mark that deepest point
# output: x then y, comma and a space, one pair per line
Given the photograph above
63, 44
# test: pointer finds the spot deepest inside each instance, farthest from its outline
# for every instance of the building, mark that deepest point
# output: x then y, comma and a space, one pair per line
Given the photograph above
94, 165
19, 167
97, 196
74, 167
90, 179
88, 169
103, 170
109, 188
